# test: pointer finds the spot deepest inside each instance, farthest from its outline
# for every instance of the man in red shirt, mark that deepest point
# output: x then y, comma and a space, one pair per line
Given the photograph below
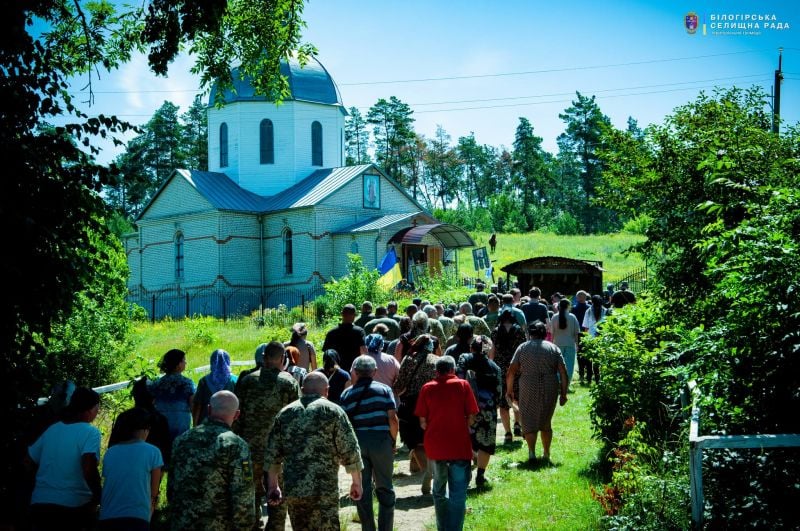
446, 408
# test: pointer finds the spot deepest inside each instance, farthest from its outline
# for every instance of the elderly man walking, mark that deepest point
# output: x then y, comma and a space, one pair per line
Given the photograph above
310, 438
372, 410
262, 394
446, 408
211, 476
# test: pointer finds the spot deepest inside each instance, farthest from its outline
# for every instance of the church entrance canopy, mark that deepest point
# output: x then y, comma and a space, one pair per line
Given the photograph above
449, 236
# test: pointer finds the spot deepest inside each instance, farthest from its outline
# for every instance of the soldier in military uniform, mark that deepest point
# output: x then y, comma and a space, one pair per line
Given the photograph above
211, 476
308, 441
262, 394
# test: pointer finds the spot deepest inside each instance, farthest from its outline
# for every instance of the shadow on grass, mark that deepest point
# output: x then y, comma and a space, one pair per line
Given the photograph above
598, 470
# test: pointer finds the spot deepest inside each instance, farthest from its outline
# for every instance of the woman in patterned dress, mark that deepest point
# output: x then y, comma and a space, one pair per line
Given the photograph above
506, 337
173, 393
542, 372
417, 369
485, 377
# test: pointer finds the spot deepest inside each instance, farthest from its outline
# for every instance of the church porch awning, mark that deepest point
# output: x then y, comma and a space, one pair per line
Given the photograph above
450, 236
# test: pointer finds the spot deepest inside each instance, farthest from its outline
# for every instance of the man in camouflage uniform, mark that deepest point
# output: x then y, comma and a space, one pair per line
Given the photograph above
308, 441
262, 394
211, 474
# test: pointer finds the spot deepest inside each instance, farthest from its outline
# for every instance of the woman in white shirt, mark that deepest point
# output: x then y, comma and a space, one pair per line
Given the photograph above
595, 315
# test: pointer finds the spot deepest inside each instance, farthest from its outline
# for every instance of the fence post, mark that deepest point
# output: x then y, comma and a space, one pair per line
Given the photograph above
153, 310
696, 482
224, 309
187, 304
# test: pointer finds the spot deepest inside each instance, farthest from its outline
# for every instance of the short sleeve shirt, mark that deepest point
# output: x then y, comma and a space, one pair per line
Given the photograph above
58, 452
126, 480
446, 402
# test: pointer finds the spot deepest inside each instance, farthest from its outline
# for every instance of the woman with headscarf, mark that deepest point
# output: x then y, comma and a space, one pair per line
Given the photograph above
219, 379
173, 393
541, 368
417, 368
485, 377
507, 336
338, 378
307, 354
387, 366
566, 332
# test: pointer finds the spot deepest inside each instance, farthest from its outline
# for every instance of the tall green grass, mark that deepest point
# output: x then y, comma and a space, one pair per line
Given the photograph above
608, 248
553, 497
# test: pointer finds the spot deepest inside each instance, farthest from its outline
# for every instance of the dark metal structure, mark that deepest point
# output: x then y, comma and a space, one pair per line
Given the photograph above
556, 273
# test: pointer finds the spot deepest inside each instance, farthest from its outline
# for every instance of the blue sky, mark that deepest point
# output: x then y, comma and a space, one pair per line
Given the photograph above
508, 59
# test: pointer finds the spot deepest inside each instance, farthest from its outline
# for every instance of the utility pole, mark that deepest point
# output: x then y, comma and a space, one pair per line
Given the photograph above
776, 104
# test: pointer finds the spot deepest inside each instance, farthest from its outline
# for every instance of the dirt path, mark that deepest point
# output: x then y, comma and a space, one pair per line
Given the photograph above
412, 512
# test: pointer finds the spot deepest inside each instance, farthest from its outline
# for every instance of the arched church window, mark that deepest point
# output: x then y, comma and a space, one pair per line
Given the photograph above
267, 142
223, 145
354, 247
179, 256
316, 144
288, 258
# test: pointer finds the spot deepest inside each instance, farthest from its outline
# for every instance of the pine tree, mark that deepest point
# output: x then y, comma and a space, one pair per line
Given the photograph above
194, 135
582, 141
356, 138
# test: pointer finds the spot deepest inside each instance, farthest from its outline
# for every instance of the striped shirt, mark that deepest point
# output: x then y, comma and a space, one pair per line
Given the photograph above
372, 411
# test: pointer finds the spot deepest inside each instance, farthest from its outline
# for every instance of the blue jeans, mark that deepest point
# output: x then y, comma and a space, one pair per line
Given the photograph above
453, 476
377, 453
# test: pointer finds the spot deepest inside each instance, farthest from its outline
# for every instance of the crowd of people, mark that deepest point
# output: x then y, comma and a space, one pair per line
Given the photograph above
439, 377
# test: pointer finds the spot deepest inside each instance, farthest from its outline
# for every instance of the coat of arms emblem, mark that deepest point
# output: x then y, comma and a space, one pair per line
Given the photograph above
690, 22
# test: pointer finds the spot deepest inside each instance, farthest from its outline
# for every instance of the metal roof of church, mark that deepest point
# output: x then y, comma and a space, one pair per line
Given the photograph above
315, 187
224, 194
311, 83
377, 223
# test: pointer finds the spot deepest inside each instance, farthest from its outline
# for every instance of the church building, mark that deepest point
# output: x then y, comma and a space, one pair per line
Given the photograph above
277, 213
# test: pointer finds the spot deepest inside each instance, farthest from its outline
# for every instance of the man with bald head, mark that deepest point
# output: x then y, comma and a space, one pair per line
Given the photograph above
211, 475
308, 441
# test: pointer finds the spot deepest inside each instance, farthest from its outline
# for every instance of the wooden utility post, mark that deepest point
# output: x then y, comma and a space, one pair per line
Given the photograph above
776, 104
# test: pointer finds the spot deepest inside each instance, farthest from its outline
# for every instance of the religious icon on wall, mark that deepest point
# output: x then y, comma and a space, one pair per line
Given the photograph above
372, 191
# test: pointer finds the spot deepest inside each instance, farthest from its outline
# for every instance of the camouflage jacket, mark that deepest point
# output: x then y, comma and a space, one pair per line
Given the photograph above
211, 480
310, 439
262, 394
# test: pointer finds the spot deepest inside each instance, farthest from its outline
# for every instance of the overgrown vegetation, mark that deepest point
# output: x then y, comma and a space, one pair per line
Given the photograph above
720, 191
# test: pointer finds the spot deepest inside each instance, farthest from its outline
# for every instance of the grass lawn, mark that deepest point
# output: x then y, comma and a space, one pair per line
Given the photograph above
608, 248
557, 496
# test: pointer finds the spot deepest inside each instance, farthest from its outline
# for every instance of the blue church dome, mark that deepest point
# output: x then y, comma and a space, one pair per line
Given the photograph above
311, 83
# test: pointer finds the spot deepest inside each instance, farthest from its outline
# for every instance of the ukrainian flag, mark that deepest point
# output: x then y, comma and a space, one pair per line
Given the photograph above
389, 268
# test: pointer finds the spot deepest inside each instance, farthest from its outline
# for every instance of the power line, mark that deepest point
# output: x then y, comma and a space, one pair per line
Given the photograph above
475, 76
567, 100
594, 91
546, 71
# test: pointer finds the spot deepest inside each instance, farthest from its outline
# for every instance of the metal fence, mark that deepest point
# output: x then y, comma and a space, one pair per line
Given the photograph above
636, 279
698, 443
272, 306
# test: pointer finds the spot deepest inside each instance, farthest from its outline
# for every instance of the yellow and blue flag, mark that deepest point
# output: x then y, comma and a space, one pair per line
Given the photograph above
389, 268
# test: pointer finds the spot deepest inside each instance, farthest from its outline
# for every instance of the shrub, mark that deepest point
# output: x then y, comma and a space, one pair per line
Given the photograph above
359, 285
631, 352
649, 485
198, 330
638, 224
